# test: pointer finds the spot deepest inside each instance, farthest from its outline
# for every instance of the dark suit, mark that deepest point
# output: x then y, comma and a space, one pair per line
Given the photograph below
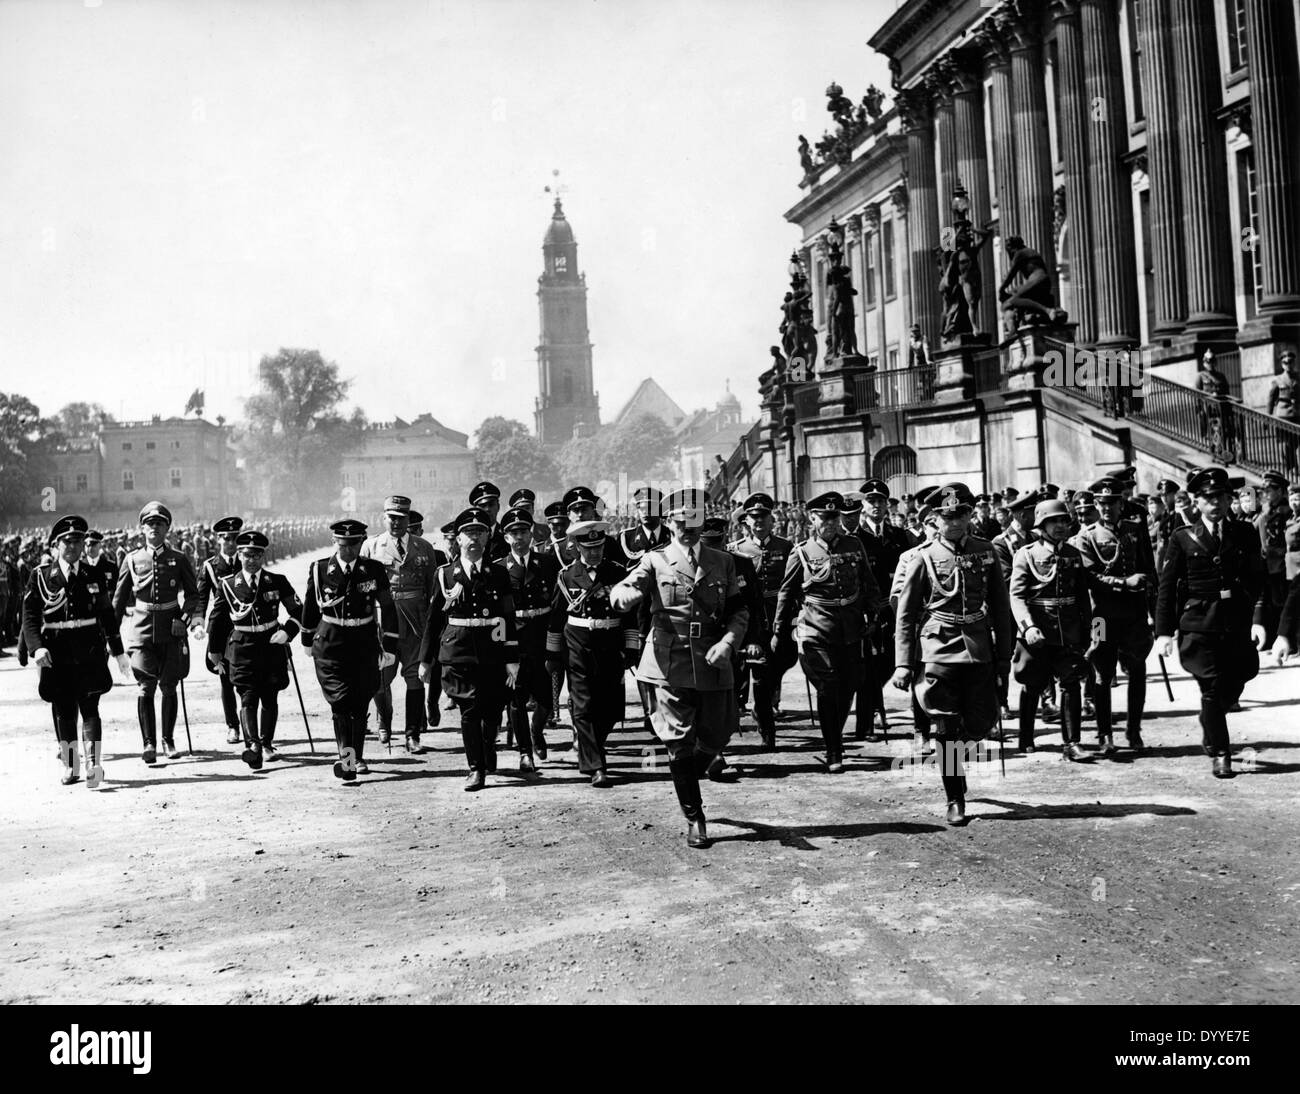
883, 553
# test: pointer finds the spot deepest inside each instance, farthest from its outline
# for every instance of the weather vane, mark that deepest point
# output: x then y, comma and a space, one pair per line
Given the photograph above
556, 187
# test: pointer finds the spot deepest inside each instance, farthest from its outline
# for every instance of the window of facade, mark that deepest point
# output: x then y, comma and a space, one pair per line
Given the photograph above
149, 446
561, 263
83, 483
1238, 57
869, 288
126, 446
887, 247
347, 479
128, 479
174, 474
58, 484
176, 445
1248, 210
893, 358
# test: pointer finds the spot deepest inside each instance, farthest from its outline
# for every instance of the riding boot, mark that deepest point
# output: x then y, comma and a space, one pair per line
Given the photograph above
91, 739
686, 782
169, 705
1102, 705
1028, 711
1137, 701
148, 726
267, 720
1071, 719
414, 717
67, 731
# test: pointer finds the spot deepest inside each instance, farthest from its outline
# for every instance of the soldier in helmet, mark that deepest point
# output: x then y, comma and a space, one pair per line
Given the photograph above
224, 563
1212, 576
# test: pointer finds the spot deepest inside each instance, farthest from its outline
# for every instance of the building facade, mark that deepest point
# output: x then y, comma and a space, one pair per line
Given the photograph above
422, 459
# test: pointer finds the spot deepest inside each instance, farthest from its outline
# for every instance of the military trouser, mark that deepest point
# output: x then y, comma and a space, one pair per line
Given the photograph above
410, 633
259, 711
66, 710
596, 685
960, 699
767, 675
836, 672
533, 683
1222, 665
1132, 645
871, 694
157, 667
229, 701
479, 691
1035, 669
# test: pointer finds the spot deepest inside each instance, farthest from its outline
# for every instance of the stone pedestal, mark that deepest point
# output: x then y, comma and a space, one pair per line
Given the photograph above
837, 383
954, 366
1026, 352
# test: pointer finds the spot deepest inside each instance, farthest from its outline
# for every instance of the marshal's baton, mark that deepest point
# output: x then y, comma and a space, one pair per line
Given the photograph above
1164, 672
184, 708
301, 705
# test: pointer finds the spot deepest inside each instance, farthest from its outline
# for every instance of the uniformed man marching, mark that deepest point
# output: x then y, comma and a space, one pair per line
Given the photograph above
1213, 574
223, 563
1121, 572
769, 554
595, 643
928, 521
649, 532
471, 634
159, 587
96, 557
955, 619
410, 562
1005, 545
69, 624
828, 598
698, 620
557, 520
246, 635
349, 626
1271, 526
1050, 604
486, 497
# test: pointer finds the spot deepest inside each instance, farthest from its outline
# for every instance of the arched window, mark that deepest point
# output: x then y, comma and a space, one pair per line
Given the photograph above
897, 466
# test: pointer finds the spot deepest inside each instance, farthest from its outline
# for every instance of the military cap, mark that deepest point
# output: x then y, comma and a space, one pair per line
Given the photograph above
155, 510
94, 536
1010, 492
909, 497
482, 492
228, 525
1167, 486
1106, 489
397, 505
555, 511
1207, 480
830, 502
414, 520
448, 529
588, 533
515, 518
713, 528
686, 504
951, 498
1049, 510
348, 529
473, 517
1275, 479
758, 503
252, 539
1049, 490
853, 502
579, 497
648, 493
875, 488
71, 525
1129, 474
522, 495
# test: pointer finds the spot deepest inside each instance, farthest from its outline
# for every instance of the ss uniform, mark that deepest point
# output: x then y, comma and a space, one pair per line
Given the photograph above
410, 562
1271, 526
214, 568
1121, 572
827, 596
557, 520
954, 618
697, 621
245, 633
159, 588
596, 643
1211, 579
471, 634
350, 626
1049, 594
753, 645
68, 620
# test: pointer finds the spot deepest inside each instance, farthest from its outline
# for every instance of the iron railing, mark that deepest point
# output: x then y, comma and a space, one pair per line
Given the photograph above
893, 389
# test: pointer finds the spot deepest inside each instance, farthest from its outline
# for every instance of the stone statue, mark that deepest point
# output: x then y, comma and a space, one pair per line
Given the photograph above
918, 353
841, 325
874, 101
960, 285
839, 106
805, 154
1033, 303
798, 337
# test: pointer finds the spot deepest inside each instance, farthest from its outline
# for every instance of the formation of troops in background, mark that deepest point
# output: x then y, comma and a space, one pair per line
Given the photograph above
944, 594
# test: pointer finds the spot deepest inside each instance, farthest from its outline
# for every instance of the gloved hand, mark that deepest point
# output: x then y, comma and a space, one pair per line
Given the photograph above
124, 666
423, 671
198, 631
902, 678
631, 658
280, 638
512, 673
1281, 648
43, 659
1165, 646
386, 659
1135, 581
1258, 636
1034, 638
178, 629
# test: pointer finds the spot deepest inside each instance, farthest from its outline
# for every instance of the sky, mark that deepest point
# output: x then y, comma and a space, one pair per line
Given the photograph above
186, 187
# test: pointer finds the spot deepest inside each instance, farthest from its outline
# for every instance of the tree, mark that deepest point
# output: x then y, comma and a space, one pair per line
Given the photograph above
81, 419
26, 470
297, 434
507, 454
641, 447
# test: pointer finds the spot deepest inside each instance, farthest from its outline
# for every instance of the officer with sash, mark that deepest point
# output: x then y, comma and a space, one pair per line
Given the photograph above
557, 519
532, 584
769, 554
410, 562
1213, 574
349, 626
828, 598
471, 634
223, 563
595, 643
698, 620
1121, 572
70, 627
954, 618
246, 635
159, 587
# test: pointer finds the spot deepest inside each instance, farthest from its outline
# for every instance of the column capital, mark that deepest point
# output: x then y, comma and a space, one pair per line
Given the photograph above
898, 198
1063, 9
915, 108
853, 227
871, 216
1020, 23
966, 71
993, 41
940, 79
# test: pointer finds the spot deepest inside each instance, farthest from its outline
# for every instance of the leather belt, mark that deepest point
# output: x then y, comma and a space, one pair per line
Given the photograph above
367, 622
257, 628
408, 594
955, 617
692, 630
491, 621
1051, 601
162, 606
69, 624
531, 613
831, 602
595, 624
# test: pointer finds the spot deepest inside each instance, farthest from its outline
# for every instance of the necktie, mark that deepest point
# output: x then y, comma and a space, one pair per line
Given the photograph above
401, 547
690, 558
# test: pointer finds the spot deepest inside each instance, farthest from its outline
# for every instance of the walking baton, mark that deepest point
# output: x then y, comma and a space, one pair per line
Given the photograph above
1002, 749
812, 713
186, 713
301, 706
1165, 673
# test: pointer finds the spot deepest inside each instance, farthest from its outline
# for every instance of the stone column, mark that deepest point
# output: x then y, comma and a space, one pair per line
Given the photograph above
1109, 188
923, 224
1033, 219
1170, 278
938, 83
1274, 79
1204, 184
994, 45
973, 171
1076, 126
871, 238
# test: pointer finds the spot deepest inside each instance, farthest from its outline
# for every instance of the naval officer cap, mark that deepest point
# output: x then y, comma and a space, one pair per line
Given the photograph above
515, 518
227, 526
1010, 493
348, 530
252, 540
482, 492
588, 533
853, 501
472, 518
1207, 481
758, 503
71, 526
155, 510
397, 505
522, 496
830, 502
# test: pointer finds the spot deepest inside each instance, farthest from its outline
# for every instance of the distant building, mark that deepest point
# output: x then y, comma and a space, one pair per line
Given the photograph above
423, 459
186, 463
650, 398
706, 435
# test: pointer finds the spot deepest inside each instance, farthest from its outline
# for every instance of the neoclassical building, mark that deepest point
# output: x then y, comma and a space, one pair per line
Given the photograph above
1147, 150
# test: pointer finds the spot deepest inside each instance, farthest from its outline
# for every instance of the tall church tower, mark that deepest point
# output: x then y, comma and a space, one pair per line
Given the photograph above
566, 398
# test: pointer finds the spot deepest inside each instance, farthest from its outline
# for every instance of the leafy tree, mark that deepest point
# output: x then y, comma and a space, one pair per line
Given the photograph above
80, 419
25, 466
507, 454
640, 447
297, 434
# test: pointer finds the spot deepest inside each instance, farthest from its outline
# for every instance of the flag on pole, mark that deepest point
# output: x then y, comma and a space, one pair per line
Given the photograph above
195, 402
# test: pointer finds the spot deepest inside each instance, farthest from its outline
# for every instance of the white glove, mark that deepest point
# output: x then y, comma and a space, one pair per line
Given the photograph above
1281, 648
423, 672
512, 673
280, 638
198, 631
1258, 636
386, 659
1165, 646
43, 659
124, 666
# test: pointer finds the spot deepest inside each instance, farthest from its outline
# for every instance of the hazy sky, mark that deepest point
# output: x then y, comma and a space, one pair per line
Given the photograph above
186, 185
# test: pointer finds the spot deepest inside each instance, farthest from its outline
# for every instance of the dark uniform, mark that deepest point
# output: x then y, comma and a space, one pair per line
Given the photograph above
1211, 579
245, 622
69, 615
557, 520
214, 568
1005, 546
348, 642
1121, 573
471, 633
1271, 527
160, 589
595, 643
